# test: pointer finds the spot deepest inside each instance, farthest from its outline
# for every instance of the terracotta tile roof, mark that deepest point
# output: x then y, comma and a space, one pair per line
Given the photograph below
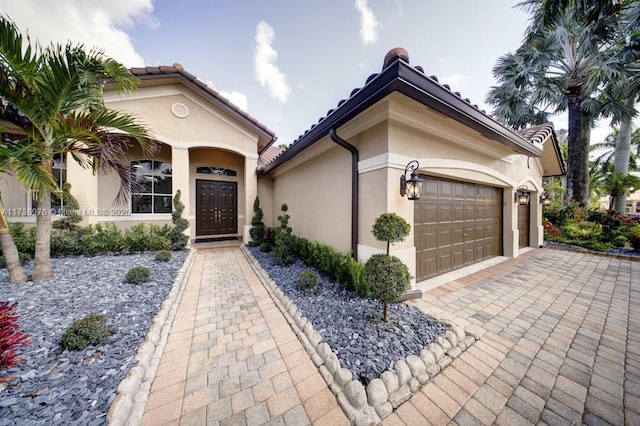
537, 134
398, 75
178, 70
268, 155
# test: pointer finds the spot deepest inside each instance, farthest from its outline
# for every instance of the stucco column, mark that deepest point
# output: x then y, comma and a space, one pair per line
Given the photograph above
510, 224
250, 193
84, 187
537, 230
181, 172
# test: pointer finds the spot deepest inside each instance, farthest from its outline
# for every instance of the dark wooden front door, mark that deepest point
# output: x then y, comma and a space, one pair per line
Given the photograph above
216, 207
523, 225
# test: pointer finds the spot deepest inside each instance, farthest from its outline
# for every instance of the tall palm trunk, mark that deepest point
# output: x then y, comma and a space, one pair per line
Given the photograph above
9, 250
622, 154
42, 269
578, 141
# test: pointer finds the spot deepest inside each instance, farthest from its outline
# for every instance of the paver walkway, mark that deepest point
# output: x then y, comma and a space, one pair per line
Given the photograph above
231, 357
560, 345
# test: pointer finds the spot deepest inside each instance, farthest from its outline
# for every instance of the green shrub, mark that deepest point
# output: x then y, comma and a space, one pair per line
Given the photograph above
620, 241
177, 239
283, 248
89, 330
307, 280
635, 237
163, 256
391, 228
265, 247
24, 238
138, 275
388, 277
574, 229
257, 230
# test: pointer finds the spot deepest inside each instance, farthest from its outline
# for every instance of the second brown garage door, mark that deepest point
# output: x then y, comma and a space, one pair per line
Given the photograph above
456, 224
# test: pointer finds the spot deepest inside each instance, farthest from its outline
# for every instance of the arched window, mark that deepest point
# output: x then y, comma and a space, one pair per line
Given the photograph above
218, 171
59, 171
151, 192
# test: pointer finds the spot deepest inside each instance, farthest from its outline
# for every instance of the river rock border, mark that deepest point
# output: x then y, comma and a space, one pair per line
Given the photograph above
367, 406
132, 393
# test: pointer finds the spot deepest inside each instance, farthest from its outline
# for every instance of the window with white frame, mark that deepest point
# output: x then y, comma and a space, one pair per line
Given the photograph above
59, 171
152, 187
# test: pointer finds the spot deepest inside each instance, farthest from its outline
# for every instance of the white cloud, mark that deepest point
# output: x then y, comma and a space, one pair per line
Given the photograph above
369, 24
238, 99
267, 72
457, 82
94, 23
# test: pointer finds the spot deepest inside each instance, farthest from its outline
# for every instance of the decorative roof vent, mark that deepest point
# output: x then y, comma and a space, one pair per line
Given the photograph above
394, 54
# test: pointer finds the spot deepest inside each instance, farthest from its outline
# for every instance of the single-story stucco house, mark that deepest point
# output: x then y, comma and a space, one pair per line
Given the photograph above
338, 176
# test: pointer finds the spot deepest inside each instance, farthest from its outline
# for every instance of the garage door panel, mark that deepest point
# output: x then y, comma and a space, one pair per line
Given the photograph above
464, 225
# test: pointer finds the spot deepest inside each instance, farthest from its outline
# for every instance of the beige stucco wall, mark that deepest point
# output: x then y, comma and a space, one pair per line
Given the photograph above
265, 193
318, 194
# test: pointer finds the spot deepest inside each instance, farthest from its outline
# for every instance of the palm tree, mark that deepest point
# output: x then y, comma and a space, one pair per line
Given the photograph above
614, 27
58, 90
614, 184
560, 66
608, 148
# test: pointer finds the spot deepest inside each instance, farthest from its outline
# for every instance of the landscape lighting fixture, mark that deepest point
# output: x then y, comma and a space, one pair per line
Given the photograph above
545, 199
522, 195
411, 187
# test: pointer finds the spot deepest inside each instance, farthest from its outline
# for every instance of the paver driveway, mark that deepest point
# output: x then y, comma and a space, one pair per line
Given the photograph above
560, 344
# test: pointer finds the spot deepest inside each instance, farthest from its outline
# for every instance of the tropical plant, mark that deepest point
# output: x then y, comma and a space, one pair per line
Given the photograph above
11, 338
561, 66
57, 91
9, 250
615, 185
391, 228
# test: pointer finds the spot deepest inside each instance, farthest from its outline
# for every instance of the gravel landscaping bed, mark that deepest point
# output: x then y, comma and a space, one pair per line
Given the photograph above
54, 386
353, 326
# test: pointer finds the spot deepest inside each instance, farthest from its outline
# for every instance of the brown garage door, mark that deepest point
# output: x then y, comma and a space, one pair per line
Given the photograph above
456, 224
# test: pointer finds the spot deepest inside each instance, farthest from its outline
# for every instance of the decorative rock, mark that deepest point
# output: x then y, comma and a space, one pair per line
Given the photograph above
459, 332
427, 357
433, 369
377, 392
356, 394
384, 409
416, 366
308, 328
348, 409
317, 361
314, 338
436, 350
454, 352
469, 340
401, 395
402, 370
326, 374
444, 361
414, 385
444, 343
301, 322
332, 363
292, 309
391, 381
363, 419
323, 349
344, 376
452, 338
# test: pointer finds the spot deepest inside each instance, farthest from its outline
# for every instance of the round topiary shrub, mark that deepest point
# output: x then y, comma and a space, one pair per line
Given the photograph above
138, 275
265, 247
86, 331
388, 278
163, 255
307, 280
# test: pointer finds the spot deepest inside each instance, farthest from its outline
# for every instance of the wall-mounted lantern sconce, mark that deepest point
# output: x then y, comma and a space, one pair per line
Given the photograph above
411, 187
522, 195
545, 199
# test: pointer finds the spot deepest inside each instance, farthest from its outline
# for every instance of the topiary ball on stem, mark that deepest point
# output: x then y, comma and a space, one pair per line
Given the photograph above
388, 278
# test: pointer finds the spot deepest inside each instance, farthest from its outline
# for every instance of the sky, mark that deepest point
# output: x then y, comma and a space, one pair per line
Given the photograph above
287, 62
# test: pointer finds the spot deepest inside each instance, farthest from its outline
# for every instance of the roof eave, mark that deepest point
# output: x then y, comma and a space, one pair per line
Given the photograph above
399, 76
